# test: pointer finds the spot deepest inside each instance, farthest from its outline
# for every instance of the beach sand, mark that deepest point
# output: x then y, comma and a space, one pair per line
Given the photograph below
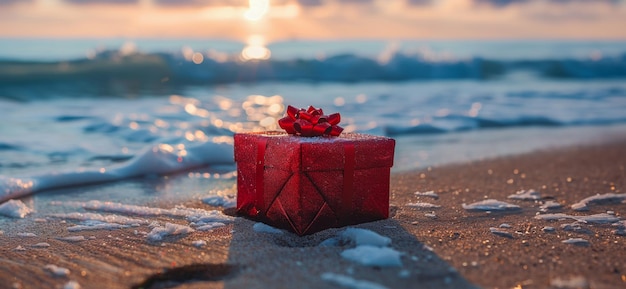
445, 247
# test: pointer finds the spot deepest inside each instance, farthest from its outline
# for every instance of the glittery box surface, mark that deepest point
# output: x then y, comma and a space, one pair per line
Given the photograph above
308, 184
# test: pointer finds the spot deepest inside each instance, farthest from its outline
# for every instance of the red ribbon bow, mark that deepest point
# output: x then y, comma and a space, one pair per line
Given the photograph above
310, 122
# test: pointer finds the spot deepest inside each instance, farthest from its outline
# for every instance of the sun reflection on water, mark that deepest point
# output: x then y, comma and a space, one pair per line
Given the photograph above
255, 49
254, 113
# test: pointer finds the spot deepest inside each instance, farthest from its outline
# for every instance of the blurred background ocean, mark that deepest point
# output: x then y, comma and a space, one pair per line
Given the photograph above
88, 103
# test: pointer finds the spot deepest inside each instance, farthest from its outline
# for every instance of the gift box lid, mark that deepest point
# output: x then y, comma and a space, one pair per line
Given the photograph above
289, 152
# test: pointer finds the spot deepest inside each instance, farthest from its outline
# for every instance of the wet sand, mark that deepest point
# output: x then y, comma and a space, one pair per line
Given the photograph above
446, 247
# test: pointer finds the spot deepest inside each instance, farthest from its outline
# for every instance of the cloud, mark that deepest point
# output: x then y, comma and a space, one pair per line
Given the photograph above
87, 2
500, 3
310, 3
355, 1
11, 2
420, 2
504, 3
183, 3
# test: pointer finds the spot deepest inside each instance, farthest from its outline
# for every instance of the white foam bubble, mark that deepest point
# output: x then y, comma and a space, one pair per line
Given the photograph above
423, 205
99, 217
602, 218
26, 234
349, 282
575, 227
526, 195
72, 238
158, 233
41, 245
209, 226
575, 282
501, 233
192, 214
609, 198
199, 243
491, 205
550, 205
264, 228
14, 209
430, 194
368, 255
57, 271
207, 217
71, 285
553, 217
220, 201
358, 237
95, 225
576, 241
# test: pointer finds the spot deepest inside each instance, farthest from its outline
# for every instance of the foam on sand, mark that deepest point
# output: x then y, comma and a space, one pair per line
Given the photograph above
72, 238
220, 201
349, 282
368, 255
71, 285
14, 209
526, 195
99, 217
360, 237
430, 194
570, 283
601, 218
159, 232
550, 205
491, 205
192, 214
423, 205
41, 245
576, 241
264, 228
357, 237
57, 271
208, 217
26, 235
209, 226
575, 227
96, 225
501, 233
609, 198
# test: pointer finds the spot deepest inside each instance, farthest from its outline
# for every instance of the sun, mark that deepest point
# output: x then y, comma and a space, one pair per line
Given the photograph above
257, 10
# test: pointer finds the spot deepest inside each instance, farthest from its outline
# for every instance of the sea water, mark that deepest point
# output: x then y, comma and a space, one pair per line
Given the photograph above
444, 102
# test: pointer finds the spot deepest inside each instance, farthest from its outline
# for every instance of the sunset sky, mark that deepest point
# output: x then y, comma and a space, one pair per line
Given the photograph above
316, 19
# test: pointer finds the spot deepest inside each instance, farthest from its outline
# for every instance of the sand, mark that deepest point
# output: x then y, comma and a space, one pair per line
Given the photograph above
445, 247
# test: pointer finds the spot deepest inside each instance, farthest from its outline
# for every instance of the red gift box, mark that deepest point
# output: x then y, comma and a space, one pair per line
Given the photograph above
308, 184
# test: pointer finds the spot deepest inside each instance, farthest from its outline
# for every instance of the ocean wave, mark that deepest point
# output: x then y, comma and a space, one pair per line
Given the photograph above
159, 159
160, 69
459, 123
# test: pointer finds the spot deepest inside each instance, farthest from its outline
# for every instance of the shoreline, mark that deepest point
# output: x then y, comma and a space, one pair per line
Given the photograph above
464, 250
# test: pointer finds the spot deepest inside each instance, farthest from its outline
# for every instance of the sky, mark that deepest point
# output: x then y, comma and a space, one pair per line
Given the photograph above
315, 19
